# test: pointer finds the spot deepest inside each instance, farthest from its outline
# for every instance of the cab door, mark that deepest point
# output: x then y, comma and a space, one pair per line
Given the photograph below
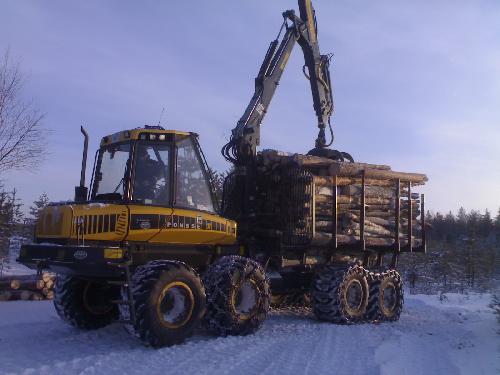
178, 208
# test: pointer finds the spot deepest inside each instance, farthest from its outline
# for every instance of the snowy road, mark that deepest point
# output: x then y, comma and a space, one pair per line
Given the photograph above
458, 336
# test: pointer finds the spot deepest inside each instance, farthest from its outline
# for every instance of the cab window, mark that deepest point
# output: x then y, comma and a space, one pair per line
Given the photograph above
151, 180
111, 173
192, 190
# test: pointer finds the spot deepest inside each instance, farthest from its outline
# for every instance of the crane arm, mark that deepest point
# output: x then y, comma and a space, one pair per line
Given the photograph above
245, 137
317, 70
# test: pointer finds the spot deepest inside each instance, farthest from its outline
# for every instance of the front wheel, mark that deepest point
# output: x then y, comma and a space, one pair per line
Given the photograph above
169, 302
238, 296
85, 304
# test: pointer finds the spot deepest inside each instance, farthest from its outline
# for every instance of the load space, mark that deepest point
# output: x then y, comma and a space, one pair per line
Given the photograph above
304, 200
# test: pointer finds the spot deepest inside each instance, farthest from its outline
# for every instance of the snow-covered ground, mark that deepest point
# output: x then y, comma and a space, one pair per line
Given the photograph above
9, 265
455, 336
14, 268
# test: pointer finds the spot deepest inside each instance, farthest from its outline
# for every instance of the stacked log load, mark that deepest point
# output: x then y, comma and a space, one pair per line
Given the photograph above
27, 287
380, 193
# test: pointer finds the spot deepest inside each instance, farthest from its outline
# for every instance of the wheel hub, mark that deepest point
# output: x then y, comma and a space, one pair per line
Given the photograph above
354, 296
94, 299
389, 298
245, 299
175, 304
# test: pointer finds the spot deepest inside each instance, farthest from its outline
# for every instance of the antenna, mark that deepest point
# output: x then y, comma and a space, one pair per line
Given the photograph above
161, 116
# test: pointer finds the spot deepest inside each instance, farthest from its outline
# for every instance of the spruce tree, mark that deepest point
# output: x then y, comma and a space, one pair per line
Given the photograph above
450, 227
461, 222
10, 217
38, 204
485, 224
473, 220
496, 225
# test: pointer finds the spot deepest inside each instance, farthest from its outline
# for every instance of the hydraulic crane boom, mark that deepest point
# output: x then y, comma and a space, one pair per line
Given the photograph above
246, 135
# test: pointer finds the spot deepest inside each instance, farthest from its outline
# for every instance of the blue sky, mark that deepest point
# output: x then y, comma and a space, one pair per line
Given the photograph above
416, 83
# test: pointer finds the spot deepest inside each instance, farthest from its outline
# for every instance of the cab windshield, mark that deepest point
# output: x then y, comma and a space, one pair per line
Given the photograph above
161, 175
111, 173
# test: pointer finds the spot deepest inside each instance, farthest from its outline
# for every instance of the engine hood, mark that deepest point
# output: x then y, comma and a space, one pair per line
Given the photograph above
90, 221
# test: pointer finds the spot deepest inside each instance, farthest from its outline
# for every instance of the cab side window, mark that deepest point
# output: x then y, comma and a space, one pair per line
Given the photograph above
192, 190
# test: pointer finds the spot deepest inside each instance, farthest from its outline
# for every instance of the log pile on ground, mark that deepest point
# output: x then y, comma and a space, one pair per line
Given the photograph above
380, 198
27, 287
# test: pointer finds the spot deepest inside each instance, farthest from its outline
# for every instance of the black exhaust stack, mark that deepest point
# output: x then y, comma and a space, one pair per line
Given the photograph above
82, 191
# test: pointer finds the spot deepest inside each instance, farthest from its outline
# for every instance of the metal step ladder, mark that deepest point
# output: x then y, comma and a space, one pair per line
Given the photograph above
125, 284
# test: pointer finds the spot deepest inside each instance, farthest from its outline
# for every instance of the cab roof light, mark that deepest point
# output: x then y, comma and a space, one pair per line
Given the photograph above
156, 137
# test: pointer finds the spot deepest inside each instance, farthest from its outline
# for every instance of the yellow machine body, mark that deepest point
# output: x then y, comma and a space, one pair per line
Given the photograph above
128, 221
80, 223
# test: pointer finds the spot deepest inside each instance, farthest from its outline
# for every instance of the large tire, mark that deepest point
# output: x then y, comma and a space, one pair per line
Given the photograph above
85, 304
238, 296
340, 295
169, 302
385, 303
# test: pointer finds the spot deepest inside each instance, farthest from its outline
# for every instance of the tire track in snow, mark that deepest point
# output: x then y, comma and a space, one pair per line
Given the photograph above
426, 340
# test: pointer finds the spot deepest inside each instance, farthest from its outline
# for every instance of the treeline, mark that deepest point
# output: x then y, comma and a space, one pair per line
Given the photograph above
463, 253
462, 226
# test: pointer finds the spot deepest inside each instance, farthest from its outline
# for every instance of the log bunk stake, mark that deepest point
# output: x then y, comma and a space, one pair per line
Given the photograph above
335, 223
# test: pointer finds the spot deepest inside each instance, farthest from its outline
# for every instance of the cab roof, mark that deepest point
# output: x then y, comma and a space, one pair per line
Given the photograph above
146, 132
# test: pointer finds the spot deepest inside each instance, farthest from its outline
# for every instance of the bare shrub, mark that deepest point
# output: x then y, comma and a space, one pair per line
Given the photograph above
22, 136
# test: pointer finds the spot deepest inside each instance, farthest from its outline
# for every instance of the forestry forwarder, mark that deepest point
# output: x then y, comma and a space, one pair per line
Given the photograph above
133, 248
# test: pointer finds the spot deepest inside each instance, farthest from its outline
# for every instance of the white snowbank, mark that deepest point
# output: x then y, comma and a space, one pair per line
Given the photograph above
8, 265
457, 336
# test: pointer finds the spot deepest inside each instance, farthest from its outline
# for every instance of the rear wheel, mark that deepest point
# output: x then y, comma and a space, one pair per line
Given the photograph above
386, 296
340, 295
85, 304
169, 302
238, 296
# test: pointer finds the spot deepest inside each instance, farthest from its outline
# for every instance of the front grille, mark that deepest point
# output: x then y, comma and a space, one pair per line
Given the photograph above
95, 224
121, 223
